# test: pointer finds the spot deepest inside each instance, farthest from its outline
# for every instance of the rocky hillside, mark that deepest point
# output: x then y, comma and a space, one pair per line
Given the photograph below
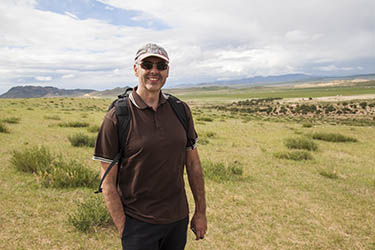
37, 91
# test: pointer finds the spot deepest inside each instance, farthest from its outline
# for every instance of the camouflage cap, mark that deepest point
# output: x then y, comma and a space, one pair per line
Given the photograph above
151, 49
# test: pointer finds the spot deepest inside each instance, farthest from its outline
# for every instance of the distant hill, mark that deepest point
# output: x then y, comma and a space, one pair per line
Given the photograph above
107, 93
37, 91
277, 79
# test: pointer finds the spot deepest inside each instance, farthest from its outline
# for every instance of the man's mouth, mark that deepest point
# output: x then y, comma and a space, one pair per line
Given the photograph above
153, 78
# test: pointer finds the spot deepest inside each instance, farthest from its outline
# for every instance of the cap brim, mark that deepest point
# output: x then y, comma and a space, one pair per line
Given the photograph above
140, 58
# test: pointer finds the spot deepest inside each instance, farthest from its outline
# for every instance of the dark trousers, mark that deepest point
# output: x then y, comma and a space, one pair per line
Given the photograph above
139, 235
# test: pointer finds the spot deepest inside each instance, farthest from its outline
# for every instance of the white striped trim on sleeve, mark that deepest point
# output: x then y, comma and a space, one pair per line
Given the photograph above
97, 158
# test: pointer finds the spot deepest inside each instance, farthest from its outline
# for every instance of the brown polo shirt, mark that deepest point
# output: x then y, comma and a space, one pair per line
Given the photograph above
151, 179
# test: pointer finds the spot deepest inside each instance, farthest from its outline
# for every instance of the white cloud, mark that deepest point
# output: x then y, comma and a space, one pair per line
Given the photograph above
208, 40
71, 15
332, 67
43, 78
68, 76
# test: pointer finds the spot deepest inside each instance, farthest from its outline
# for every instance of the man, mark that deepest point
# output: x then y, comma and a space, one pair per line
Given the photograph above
149, 207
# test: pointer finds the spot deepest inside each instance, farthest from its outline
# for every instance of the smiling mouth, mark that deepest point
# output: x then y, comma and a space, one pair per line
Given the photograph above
153, 77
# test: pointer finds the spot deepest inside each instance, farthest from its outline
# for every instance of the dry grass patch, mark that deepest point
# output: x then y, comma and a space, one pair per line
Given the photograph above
295, 155
333, 137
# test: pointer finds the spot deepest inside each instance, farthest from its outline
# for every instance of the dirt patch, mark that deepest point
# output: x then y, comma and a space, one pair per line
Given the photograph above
337, 98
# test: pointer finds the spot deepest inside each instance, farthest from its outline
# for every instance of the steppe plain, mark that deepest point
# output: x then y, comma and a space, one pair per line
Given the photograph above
257, 196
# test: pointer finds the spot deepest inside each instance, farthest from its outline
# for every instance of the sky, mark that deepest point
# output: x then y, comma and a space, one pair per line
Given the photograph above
91, 44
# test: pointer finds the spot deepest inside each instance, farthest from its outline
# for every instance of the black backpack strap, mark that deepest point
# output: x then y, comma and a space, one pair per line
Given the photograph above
114, 161
179, 109
123, 121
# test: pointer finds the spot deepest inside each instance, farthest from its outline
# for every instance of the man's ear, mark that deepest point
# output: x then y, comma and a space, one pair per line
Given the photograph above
135, 70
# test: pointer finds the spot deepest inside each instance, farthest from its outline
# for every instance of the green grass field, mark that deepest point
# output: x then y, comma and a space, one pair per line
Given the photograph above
256, 199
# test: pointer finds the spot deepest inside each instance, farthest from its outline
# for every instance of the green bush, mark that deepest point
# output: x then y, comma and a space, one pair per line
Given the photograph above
12, 120
62, 174
301, 143
205, 119
203, 141
82, 140
53, 171
90, 214
3, 128
209, 134
74, 124
219, 173
93, 129
333, 137
32, 160
296, 155
307, 125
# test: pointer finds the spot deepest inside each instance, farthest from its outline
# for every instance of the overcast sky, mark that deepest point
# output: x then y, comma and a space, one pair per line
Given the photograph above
92, 43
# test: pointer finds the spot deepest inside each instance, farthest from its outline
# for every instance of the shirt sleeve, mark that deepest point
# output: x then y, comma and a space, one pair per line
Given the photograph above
107, 146
192, 134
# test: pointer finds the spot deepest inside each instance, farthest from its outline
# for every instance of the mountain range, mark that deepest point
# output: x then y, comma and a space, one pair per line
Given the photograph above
38, 91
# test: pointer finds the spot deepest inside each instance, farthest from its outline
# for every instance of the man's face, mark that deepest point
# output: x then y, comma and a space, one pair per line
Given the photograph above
151, 79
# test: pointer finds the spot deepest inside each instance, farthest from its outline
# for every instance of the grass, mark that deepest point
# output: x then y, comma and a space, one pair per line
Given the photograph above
93, 129
255, 200
52, 117
53, 171
329, 174
90, 214
74, 124
301, 143
3, 128
11, 120
220, 173
297, 155
82, 140
333, 137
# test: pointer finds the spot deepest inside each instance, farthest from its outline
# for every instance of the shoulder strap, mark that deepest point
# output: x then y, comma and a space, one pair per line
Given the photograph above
179, 109
123, 119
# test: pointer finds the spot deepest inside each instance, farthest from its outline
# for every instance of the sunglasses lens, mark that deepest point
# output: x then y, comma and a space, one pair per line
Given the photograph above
147, 65
160, 65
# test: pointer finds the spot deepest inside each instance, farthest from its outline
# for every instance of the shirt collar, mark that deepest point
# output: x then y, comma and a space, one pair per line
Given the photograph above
139, 103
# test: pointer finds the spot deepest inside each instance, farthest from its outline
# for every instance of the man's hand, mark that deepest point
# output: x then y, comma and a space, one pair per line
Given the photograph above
198, 225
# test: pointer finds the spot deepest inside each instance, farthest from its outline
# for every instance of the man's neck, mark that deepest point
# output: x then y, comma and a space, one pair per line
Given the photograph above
150, 98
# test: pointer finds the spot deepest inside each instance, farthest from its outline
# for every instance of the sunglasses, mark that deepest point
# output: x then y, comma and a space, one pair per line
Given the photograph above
159, 65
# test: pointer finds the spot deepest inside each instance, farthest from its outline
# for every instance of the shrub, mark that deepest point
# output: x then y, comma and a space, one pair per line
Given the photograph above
74, 124
93, 129
296, 155
32, 160
329, 174
210, 134
301, 143
333, 137
52, 117
205, 119
203, 141
53, 171
82, 140
363, 105
3, 128
307, 125
219, 173
90, 214
61, 174
12, 120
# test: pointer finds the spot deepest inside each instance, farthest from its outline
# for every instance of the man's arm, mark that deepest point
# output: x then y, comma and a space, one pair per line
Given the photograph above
195, 175
112, 198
